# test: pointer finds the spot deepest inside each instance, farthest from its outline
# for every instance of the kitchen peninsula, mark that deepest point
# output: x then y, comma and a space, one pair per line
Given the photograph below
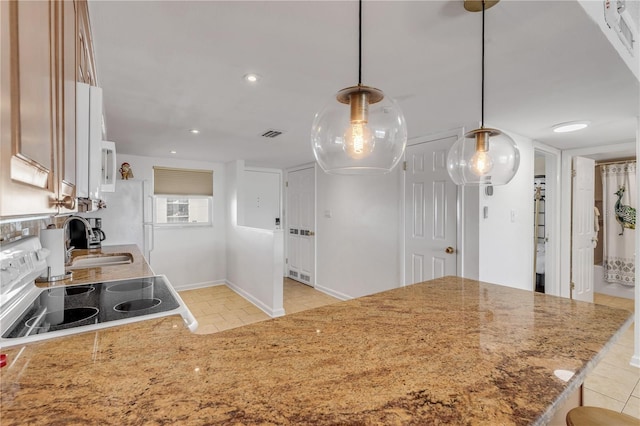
446, 351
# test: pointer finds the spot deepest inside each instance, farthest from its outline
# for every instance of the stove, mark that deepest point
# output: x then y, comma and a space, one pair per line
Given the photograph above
29, 313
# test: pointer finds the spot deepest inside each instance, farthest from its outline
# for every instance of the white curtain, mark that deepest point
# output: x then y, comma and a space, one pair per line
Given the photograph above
619, 204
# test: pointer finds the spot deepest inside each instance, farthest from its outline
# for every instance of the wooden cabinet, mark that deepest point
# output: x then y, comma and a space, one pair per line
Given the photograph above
67, 98
37, 118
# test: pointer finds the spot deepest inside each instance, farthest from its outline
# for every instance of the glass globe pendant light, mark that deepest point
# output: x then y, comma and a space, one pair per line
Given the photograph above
483, 156
364, 132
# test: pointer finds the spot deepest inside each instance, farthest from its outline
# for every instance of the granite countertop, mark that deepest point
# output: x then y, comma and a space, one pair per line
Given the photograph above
446, 351
137, 269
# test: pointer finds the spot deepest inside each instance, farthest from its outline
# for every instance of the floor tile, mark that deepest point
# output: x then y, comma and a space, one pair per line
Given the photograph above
596, 399
219, 308
614, 383
610, 387
632, 407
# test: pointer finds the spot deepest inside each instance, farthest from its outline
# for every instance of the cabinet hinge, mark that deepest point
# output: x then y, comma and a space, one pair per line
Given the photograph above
404, 166
286, 261
286, 184
573, 173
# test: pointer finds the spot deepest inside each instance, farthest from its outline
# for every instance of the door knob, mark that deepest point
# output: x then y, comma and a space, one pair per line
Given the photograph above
449, 250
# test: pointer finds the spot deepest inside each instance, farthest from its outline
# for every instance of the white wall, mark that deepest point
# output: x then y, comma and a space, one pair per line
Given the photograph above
469, 232
506, 245
189, 256
262, 201
255, 257
358, 247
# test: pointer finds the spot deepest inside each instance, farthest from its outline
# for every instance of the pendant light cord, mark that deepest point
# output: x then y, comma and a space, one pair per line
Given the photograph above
360, 43
482, 96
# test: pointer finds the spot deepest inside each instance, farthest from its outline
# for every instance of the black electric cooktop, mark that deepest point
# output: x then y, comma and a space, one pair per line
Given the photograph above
75, 306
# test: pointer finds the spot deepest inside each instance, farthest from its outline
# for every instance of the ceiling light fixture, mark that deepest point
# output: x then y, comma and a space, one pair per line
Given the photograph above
194, 131
483, 156
252, 78
363, 133
570, 126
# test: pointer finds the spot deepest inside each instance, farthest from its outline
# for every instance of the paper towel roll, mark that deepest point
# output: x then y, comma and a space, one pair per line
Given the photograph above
53, 239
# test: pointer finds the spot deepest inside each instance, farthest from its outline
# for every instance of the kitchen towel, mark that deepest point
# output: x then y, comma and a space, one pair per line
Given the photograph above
53, 240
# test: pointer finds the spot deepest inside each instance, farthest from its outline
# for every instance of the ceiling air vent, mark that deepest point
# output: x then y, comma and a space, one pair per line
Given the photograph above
271, 133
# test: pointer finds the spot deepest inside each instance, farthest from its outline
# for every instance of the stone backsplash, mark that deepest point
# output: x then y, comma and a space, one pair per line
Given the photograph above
11, 231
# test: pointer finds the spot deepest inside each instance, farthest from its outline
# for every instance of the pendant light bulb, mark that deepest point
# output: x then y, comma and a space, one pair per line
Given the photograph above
358, 142
481, 162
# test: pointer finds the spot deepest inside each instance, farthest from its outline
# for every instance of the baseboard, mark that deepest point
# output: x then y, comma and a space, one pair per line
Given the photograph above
259, 304
194, 286
332, 293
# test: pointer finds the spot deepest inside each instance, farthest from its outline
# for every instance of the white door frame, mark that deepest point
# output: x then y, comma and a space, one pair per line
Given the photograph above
457, 133
552, 222
565, 208
284, 222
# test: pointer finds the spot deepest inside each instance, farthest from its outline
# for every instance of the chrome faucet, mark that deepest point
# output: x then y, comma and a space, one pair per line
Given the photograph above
67, 236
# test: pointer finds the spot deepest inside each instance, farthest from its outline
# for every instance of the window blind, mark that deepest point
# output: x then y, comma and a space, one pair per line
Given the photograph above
171, 181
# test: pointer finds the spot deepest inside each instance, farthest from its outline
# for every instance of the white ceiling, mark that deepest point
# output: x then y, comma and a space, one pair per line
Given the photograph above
167, 67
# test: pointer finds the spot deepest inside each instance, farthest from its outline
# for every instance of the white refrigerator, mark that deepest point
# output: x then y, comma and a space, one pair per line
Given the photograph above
127, 219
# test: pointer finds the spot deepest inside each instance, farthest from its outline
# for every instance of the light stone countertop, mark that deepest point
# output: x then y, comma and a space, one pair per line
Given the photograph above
137, 269
447, 351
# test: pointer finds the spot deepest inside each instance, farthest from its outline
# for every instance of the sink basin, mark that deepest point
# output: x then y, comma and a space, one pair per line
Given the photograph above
100, 260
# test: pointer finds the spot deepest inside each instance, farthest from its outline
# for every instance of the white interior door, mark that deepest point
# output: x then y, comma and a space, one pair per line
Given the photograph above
430, 213
582, 229
300, 216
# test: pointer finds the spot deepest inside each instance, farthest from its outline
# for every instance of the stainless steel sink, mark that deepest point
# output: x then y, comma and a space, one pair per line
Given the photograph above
100, 260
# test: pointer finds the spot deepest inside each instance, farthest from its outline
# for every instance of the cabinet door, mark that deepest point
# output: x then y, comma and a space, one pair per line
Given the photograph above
86, 64
28, 143
67, 101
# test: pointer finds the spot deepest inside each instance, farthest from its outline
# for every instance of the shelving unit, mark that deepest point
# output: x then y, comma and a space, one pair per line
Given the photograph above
539, 182
539, 228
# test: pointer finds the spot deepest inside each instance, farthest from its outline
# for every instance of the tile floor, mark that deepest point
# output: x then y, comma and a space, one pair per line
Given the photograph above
220, 308
613, 384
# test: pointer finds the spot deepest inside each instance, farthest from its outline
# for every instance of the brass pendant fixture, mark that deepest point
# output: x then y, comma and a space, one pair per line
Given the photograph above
483, 156
364, 132
476, 5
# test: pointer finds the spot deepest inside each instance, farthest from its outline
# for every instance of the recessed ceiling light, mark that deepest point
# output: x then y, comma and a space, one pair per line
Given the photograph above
571, 126
172, 152
194, 131
251, 78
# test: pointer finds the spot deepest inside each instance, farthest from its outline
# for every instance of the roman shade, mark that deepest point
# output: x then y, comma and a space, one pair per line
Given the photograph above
172, 181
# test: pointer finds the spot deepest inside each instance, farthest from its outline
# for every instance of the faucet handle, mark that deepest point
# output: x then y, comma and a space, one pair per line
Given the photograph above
67, 254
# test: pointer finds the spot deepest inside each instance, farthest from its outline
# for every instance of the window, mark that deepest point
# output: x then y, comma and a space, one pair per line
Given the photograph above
182, 196
175, 210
